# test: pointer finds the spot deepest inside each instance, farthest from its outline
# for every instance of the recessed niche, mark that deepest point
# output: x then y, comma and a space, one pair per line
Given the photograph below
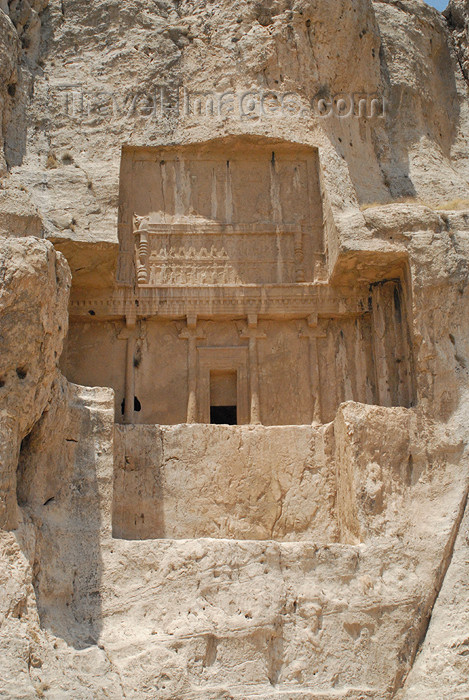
137, 405
222, 261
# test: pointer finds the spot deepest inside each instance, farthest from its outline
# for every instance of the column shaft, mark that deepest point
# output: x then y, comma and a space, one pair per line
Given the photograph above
129, 381
254, 381
192, 383
315, 379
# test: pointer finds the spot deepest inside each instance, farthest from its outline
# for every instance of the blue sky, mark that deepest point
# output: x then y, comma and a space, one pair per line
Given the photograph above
439, 4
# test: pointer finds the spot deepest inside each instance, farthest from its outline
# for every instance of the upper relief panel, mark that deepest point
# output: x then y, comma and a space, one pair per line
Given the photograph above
214, 213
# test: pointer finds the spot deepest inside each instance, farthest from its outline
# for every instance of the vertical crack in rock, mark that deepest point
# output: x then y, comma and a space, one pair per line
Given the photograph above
440, 577
457, 18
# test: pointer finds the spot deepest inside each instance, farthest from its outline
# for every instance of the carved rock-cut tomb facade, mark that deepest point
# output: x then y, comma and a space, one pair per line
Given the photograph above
223, 311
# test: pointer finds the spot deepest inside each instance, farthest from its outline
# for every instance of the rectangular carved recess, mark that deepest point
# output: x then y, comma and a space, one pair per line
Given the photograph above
220, 214
220, 247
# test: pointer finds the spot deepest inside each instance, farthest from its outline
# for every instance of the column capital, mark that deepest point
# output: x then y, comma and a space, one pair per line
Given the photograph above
130, 329
191, 321
251, 330
191, 331
313, 329
252, 320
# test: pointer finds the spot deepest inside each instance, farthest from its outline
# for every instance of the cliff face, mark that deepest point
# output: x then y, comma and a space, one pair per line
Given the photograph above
309, 561
456, 15
35, 290
101, 76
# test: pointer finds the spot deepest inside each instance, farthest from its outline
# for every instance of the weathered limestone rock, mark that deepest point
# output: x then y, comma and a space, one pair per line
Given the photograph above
35, 284
20, 39
279, 486
19, 216
247, 618
442, 666
457, 15
50, 567
304, 278
9, 50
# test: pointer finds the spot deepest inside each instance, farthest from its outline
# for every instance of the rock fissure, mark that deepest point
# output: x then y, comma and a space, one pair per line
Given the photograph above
440, 579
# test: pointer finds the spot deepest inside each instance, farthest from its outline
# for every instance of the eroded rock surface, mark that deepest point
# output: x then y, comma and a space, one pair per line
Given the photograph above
457, 16
35, 287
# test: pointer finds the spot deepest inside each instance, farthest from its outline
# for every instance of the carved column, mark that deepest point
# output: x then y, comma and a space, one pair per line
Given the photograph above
191, 334
312, 333
299, 258
129, 334
143, 250
252, 334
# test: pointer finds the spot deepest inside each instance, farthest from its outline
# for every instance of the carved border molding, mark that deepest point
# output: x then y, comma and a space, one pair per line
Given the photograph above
209, 228
266, 301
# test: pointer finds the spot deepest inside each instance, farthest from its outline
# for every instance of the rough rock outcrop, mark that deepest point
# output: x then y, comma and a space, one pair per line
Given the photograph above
247, 618
457, 16
9, 51
35, 284
443, 665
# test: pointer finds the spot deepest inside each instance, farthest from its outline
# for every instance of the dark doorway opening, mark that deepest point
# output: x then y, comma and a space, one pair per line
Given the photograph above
223, 397
223, 415
137, 405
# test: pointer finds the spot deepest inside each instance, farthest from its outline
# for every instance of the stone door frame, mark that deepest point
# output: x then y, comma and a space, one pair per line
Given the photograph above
223, 359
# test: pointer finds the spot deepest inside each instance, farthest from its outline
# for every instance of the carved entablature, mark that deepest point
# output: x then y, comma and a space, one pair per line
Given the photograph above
220, 214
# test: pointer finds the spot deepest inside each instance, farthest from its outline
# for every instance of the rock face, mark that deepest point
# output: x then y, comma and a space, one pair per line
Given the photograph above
279, 487
33, 324
234, 438
457, 15
444, 655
